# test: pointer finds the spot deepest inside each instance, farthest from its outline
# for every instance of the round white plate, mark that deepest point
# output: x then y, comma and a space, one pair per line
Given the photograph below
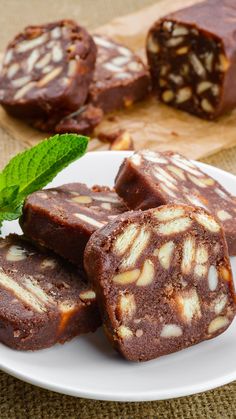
88, 366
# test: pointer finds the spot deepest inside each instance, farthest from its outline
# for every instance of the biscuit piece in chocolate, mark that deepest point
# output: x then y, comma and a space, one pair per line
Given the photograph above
192, 58
63, 219
149, 179
43, 300
162, 279
120, 78
47, 70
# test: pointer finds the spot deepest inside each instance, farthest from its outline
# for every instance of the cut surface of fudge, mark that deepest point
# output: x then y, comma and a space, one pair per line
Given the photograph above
62, 219
47, 69
43, 299
192, 58
120, 78
162, 279
149, 179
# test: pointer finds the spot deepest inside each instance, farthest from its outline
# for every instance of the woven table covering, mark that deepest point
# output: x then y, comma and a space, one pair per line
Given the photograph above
20, 400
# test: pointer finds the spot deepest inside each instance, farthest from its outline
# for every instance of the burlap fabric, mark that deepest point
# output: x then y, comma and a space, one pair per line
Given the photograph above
19, 400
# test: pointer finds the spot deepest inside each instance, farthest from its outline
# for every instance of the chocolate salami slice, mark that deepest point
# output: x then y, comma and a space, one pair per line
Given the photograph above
162, 279
47, 69
191, 54
43, 300
149, 179
120, 77
63, 219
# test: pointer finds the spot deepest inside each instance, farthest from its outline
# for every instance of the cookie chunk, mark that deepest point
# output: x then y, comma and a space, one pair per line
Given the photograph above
149, 179
192, 58
163, 280
47, 69
63, 219
43, 300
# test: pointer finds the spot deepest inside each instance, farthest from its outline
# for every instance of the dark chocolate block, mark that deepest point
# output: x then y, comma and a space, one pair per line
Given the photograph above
192, 58
43, 299
120, 78
149, 179
162, 279
47, 70
63, 219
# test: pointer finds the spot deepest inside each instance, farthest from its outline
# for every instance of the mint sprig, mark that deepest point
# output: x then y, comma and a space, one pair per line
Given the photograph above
33, 169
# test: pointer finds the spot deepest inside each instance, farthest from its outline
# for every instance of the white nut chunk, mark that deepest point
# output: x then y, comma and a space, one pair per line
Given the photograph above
124, 332
188, 255
82, 199
189, 305
87, 295
127, 277
168, 214
208, 222
218, 323
124, 240
152, 45
224, 215
127, 305
165, 253
174, 227
171, 331
137, 248
147, 274
16, 254
212, 278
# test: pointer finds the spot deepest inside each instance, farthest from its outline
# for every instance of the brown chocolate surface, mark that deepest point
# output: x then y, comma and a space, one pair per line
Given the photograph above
63, 218
149, 179
162, 279
192, 58
47, 69
43, 299
120, 78
82, 121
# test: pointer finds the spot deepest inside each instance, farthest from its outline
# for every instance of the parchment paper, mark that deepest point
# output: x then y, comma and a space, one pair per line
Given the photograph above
151, 124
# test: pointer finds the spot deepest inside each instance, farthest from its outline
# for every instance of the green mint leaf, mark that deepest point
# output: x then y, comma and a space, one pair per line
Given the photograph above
7, 196
35, 168
9, 216
10, 208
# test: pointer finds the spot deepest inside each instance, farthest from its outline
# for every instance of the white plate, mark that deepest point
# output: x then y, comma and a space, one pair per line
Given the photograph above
88, 366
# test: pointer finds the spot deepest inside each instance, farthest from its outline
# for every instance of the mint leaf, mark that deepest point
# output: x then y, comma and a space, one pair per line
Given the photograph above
7, 196
10, 209
35, 168
10, 216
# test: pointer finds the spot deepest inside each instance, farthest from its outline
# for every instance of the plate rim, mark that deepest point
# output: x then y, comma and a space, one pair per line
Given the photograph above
183, 391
